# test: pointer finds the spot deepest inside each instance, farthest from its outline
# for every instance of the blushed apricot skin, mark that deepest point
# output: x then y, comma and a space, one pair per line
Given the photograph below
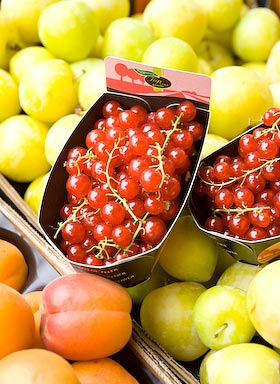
85, 316
34, 299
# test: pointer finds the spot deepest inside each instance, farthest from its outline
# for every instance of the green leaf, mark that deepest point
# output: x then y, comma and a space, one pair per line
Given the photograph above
145, 73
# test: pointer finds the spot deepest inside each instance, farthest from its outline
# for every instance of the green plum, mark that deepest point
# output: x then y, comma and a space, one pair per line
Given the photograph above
127, 38
166, 314
239, 274
189, 254
183, 19
68, 29
241, 363
220, 317
255, 34
171, 52
263, 303
157, 279
242, 102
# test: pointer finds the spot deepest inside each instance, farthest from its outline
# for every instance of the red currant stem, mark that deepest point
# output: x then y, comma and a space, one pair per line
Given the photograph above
169, 132
160, 149
114, 193
239, 210
159, 166
242, 177
275, 124
72, 217
101, 248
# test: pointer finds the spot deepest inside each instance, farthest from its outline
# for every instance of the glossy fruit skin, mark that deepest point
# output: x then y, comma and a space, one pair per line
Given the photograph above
223, 366
68, 30
85, 316
179, 263
220, 317
166, 314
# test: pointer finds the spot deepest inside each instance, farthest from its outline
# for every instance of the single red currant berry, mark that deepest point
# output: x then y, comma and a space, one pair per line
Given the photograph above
73, 231
186, 110
154, 230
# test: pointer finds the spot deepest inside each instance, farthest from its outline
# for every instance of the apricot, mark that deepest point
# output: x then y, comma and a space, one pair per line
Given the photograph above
17, 326
34, 299
13, 266
85, 316
102, 371
36, 366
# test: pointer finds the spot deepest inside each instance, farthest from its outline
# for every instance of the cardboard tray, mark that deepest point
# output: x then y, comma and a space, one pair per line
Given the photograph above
252, 252
153, 88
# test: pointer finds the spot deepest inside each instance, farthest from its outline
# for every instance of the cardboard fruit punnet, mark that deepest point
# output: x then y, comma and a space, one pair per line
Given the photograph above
129, 83
252, 252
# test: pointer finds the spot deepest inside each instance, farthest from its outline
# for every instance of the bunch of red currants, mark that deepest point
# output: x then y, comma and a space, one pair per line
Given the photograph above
125, 185
242, 192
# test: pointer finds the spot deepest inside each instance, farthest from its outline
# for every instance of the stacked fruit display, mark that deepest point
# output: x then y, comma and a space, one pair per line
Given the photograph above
200, 304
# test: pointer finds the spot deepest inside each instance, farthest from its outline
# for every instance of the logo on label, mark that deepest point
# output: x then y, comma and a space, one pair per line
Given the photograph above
154, 79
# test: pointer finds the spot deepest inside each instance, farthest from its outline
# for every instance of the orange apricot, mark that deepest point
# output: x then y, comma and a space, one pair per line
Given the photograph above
85, 316
102, 371
17, 326
13, 266
34, 299
36, 366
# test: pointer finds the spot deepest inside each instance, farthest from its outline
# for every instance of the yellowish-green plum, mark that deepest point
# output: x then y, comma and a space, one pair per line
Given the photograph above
9, 99
220, 317
225, 38
58, 134
81, 67
241, 363
212, 143
255, 34
260, 67
22, 154
215, 53
221, 14
48, 92
204, 66
24, 14
10, 42
275, 90
273, 64
69, 30
107, 11
191, 260
239, 275
127, 38
239, 98
91, 86
171, 52
186, 20
263, 303
34, 192
166, 314
23, 60
157, 279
